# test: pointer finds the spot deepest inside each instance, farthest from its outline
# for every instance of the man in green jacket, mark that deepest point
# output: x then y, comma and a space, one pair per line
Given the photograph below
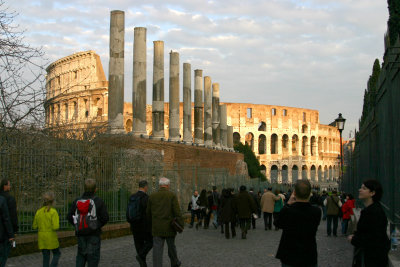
162, 207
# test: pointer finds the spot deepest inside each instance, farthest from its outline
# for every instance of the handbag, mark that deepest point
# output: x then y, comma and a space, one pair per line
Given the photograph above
176, 226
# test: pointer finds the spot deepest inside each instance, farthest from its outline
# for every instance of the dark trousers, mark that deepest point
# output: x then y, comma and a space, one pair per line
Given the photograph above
267, 220
253, 222
143, 243
88, 251
46, 257
244, 224
233, 230
276, 216
158, 249
195, 213
329, 219
207, 218
345, 225
5, 248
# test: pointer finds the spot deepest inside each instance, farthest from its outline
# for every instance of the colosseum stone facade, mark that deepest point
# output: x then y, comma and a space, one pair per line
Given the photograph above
290, 143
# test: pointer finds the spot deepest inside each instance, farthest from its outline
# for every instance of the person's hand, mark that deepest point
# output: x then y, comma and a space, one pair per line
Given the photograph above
292, 199
349, 238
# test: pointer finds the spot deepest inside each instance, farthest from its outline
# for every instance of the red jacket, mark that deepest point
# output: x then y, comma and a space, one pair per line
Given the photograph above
347, 208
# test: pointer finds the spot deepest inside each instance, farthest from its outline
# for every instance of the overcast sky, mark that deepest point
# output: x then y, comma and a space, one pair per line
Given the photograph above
315, 54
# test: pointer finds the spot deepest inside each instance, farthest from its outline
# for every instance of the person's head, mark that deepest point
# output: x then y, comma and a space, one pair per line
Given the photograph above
90, 186
203, 193
370, 189
269, 188
349, 196
5, 185
164, 182
196, 193
334, 192
48, 200
302, 189
143, 185
214, 188
209, 193
242, 188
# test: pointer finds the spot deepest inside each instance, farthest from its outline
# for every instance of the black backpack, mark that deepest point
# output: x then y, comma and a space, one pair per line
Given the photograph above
133, 211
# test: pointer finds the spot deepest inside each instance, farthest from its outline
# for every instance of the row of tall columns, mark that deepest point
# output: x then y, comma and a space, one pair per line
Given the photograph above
214, 115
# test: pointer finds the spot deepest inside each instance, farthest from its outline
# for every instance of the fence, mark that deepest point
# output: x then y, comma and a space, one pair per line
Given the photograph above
35, 164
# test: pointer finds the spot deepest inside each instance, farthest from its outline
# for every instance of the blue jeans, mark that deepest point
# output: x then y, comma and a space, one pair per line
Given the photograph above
88, 251
329, 220
215, 215
5, 248
345, 224
46, 257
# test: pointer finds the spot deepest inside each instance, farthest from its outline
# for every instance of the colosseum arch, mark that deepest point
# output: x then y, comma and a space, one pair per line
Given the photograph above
262, 142
75, 112
274, 174
313, 146
285, 174
304, 129
330, 173
295, 173
285, 144
320, 147
295, 144
128, 126
320, 173
304, 172
236, 138
313, 173
326, 173
274, 144
304, 146
325, 145
263, 169
262, 126
249, 139
66, 113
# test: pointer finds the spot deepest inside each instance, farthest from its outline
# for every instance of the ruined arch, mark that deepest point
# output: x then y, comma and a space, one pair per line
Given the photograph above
295, 144
285, 144
274, 174
295, 173
304, 146
262, 126
320, 146
304, 129
249, 139
262, 142
274, 144
236, 138
285, 174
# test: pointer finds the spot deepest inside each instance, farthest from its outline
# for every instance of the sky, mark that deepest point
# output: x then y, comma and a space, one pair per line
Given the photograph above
315, 54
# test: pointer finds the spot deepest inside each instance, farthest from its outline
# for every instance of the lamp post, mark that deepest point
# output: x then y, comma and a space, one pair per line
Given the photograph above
340, 126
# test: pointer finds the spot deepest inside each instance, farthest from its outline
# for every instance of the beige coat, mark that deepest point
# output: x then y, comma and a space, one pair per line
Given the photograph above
268, 202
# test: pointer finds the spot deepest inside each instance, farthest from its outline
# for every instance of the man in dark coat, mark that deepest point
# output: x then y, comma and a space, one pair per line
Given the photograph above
89, 244
141, 228
228, 212
5, 187
162, 208
6, 232
255, 198
299, 221
245, 208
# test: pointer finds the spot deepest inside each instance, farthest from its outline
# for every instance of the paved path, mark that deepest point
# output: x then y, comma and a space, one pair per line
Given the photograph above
209, 248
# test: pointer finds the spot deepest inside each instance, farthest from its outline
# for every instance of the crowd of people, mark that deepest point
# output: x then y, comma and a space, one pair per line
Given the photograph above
156, 219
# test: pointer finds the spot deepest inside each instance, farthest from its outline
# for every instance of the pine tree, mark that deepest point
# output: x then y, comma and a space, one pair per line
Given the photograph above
394, 20
253, 165
372, 83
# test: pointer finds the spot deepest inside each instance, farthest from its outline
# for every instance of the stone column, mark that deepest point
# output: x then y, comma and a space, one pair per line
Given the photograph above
174, 122
139, 82
116, 73
158, 91
229, 137
198, 107
187, 103
207, 112
223, 126
215, 116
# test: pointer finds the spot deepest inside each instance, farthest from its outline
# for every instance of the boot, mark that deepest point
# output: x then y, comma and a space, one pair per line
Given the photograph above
243, 235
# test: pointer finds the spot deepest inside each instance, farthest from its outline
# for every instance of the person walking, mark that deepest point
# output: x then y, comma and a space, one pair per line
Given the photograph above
299, 221
203, 204
47, 222
209, 209
195, 210
6, 232
370, 240
140, 227
255, 198
88, 206
214, 206
267, 206
333, 205
245, 208
5, 187
323, 207
228, 212
347, 210
278, 206
162, 208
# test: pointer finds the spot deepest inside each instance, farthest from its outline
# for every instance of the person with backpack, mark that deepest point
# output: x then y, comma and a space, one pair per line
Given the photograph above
140, 227
215, 205
333, 207
47, 222
88, 214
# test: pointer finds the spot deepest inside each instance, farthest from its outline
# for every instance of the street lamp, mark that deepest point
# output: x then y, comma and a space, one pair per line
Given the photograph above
340, 126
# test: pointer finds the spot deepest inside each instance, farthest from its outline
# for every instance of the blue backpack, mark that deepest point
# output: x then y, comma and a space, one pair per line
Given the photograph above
133, 211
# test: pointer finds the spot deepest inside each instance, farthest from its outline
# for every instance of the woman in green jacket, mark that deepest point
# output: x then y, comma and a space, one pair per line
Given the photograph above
47, 222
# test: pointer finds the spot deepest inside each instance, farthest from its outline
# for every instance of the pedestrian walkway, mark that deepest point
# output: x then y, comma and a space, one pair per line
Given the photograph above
209, 248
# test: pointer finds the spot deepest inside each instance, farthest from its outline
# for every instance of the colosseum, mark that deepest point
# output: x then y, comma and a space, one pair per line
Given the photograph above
289, 142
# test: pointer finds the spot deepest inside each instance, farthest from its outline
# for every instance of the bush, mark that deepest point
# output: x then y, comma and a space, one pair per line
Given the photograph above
253, 165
